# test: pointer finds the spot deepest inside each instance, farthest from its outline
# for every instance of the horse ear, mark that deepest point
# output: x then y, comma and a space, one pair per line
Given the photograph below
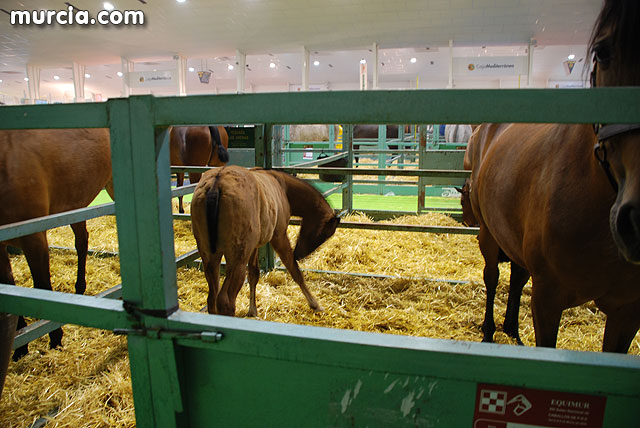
332, 225
459, 189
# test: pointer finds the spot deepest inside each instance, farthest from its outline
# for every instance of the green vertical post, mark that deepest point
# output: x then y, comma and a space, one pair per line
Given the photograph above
263, 144
259, 146
347, 144
147, 259
422, 161
382, 158
277, 145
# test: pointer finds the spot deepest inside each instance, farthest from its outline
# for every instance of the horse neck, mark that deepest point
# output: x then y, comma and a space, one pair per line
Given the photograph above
303, 198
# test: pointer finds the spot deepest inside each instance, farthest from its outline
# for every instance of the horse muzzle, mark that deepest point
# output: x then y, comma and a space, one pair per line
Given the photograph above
625, 227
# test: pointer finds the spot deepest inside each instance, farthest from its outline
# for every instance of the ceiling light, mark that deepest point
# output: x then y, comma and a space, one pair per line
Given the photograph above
181, 1
191, 69
363, 61
0, 80
108, 6
272, 65
26, 79
119, 73
572, 56
230, 67
316, 63
413, 60
87, 75
56, 77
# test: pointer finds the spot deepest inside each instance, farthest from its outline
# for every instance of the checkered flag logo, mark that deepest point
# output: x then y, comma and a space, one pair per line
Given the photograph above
493, 402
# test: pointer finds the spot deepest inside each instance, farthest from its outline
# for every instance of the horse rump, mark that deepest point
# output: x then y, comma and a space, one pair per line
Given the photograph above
338, 163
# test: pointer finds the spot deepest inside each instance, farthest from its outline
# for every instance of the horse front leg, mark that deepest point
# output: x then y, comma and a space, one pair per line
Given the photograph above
282, 246
82, 248
8, 322
546, 309
519, 277
36, 251
254, 276
179, 183
621, 328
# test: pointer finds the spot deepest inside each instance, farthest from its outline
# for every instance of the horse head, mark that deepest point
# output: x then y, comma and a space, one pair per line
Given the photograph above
313, 233
468, 219
614, 45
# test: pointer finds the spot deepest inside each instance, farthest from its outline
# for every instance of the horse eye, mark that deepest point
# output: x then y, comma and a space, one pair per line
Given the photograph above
602, 54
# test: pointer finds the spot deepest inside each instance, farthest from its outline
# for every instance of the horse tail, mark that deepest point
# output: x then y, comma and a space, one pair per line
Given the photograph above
213, 208
223, 154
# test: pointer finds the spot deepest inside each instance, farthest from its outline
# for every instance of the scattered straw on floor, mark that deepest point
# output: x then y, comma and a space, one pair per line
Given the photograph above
87, 382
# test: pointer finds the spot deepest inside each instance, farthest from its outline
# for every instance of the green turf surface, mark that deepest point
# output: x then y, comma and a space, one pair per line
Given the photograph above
360, 202
102, 198
393, 203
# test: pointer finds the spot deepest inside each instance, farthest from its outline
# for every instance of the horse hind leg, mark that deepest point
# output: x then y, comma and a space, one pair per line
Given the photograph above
282, 246
226, 301
211, 267
82, 248
490, 250
519, 277
254, 276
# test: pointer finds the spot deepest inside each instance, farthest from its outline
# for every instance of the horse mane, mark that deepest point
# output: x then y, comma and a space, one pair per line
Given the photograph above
621, 18
288, 178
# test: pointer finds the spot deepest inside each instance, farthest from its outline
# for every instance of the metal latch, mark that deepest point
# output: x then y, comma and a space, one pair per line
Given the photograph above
162, 333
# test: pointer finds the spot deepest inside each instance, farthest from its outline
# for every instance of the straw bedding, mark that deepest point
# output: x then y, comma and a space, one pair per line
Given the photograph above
87, 382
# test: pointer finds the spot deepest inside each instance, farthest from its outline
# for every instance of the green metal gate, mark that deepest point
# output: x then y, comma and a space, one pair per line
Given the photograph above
193, 369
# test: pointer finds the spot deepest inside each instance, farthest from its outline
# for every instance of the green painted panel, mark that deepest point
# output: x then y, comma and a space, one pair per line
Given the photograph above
328, 377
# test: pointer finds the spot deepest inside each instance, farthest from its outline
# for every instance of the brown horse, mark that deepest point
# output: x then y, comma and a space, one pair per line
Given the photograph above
492, 254
371, 131
235, 211
197, 146
573, 223
45, 172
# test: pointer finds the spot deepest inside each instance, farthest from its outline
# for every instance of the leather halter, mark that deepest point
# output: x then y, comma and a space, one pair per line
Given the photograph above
605, 132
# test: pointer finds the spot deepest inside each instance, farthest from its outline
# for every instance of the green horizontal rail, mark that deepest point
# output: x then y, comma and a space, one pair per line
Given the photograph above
83, 115
375, 275
605, 105
27, 227
40, 328
401, 227
375, 171
67, 308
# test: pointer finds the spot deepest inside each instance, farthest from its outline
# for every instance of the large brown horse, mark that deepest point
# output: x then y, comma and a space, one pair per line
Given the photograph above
45, 172
197, 146
492, 253
235, 211
573, 223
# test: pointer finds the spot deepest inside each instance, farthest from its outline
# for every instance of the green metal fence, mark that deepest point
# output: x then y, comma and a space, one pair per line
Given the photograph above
192, 369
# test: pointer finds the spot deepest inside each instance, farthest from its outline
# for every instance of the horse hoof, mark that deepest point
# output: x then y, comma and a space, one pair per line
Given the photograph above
318, 309
20, 352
